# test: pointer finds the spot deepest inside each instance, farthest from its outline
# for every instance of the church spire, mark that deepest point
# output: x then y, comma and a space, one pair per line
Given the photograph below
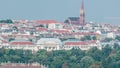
82, 7
82, 14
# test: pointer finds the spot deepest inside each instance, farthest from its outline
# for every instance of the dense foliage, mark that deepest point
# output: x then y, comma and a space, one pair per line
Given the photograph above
94, 58
6, 21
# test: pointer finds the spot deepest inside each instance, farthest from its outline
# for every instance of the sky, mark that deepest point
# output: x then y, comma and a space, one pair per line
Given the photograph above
101, 11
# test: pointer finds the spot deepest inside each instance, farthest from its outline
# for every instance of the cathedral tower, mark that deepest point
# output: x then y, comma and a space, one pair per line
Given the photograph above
82, 14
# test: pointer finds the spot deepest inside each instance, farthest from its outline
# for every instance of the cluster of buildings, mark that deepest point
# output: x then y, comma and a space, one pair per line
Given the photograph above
44, 34
53, 35
22, 65
50, 35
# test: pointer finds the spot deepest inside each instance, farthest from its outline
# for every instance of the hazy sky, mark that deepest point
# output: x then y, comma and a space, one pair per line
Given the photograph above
96, 10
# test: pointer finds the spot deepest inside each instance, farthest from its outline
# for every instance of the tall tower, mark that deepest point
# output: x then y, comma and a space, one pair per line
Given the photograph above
82, 14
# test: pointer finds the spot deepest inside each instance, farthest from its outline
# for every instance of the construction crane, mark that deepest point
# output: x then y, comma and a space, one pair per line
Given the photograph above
71, 26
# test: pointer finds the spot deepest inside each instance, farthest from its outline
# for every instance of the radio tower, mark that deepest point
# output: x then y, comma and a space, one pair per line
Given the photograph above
82, 14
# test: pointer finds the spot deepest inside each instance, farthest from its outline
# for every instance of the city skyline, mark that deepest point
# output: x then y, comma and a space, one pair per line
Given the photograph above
96, 11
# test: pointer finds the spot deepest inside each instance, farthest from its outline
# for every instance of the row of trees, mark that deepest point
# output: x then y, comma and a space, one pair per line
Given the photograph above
88, 37
6, 21
94, 58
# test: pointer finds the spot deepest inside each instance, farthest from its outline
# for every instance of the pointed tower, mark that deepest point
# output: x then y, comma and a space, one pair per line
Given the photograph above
82, 14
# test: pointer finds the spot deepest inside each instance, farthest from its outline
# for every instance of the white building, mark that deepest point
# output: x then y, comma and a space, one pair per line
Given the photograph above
110, 35
49, 44
55, 26
83, 45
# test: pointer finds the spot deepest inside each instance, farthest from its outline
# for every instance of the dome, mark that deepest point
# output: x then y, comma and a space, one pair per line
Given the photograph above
49, 41
99, 32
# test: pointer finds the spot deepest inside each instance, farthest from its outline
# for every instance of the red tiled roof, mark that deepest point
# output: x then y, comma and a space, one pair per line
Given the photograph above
2, 24
81, 43
68, 28
78, 33
84, 33
24, 36
61, 31
21, 43
75, 43
45, 21
23, 21
91, 41
41, 29
4, 41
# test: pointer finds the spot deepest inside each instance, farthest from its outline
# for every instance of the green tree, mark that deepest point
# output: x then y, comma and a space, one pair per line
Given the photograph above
15, 28
108, 39
106, 51
41, 56
73, 59
64, 65
57, 62
95, 53
77, 52
6, 21
94, 38
116, 46
86, 61
27, 56
11, 39
88, 37
95, 65
117, 38
115, 65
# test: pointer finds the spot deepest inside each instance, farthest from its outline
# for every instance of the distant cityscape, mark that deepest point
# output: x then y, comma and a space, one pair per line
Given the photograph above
51, 35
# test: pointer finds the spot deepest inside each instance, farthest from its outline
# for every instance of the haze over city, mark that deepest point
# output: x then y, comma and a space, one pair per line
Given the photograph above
59, 34
105, 11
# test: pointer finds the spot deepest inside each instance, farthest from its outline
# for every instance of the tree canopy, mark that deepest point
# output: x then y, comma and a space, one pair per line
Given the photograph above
9, 21
75, 58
